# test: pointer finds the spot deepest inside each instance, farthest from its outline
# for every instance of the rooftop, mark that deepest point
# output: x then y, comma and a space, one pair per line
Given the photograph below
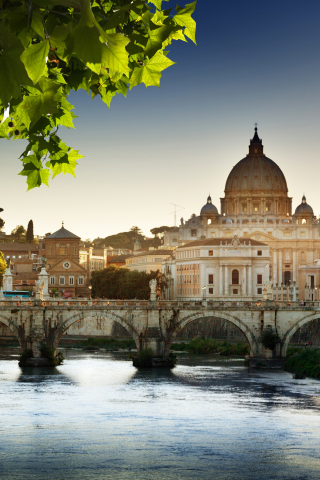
211, 242
62, 233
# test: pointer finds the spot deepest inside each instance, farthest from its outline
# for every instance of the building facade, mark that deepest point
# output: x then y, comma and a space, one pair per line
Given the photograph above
256, 206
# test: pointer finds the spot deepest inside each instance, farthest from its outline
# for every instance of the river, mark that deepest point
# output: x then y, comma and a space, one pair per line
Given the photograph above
96, 417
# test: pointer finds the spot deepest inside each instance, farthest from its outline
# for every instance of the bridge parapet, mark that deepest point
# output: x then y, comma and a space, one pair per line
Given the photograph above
161, 305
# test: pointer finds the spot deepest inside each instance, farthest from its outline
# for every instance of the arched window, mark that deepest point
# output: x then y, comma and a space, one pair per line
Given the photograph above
235, 277
304, 221
302, 256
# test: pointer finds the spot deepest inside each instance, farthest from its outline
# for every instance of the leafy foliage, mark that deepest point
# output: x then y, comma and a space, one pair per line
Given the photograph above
19, 232
48, 352
127, 240
3, 267
160, 230
121, 283
204, 346
29, 234
2, 222
49, 48
306, 362
270, 339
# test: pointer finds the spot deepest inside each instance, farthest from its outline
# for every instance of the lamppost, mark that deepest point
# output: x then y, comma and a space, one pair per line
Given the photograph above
204, 289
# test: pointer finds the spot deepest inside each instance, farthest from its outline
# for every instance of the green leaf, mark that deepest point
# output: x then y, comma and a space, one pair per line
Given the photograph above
35, 60
36, 175
39, 102
114, 55
183, 18
87, 46
157, 37
65, 164
150, 73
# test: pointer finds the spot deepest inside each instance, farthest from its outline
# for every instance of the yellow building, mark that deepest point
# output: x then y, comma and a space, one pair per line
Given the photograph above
256, 205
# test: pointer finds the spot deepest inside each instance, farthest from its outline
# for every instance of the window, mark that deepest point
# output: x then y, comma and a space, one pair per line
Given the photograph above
302, 234
235, 291
304, 221
61, 280
71, 280
287, 256
174, 239
50, 250
312, 281
235, 277
259, 253
74, 249
210, 279
193, 233
52, 280
43, 246
287, 277
259, 279
210, 291
256, 208
80, 280
210, 253
63, 250
259, 291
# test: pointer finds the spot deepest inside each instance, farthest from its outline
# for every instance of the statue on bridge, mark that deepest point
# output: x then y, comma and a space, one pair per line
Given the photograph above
153, 288
40, 284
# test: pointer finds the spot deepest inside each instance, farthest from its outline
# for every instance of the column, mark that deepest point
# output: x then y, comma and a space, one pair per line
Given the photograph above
275, 267
280, 267
244, 280
294, 291
226, 279
277, 292
294, 265
249, 280
221, 280
281, 292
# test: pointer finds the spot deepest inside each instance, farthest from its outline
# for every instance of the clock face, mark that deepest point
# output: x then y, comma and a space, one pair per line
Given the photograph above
66, 265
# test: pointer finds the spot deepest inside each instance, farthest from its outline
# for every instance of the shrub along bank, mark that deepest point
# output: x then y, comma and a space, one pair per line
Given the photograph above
109, 343
204, 346
303, 362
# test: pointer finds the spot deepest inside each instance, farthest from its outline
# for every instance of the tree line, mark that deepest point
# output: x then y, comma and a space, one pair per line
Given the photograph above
121, 283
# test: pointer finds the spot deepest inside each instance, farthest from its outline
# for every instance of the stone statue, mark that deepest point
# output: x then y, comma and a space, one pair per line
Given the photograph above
44, 261
153, 285
39, 287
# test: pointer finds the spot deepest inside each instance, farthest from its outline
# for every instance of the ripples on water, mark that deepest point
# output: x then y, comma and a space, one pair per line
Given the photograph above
97, 417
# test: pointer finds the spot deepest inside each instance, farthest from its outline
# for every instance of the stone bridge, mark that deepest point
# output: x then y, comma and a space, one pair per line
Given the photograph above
153, 324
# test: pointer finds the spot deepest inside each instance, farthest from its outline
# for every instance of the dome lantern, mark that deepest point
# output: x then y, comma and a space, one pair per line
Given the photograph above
256, 147
209, 209
303, 208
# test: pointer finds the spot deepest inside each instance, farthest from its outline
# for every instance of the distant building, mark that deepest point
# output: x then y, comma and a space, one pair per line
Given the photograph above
148, 261
66, 276
92, 258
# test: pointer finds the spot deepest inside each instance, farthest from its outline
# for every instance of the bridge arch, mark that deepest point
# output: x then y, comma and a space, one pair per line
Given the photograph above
15, 330
292, 330
63, 326
249, 334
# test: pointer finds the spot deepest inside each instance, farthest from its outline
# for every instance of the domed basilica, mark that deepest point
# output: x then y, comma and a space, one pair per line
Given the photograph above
256, 206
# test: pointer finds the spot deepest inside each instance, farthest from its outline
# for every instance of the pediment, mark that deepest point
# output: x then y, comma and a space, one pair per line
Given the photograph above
74, 267
260, 236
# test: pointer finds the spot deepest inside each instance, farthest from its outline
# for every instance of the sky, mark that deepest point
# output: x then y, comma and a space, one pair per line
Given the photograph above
255, 61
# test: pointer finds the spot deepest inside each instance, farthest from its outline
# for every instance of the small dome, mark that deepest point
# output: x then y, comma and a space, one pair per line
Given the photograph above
285, 220
303, 208
228, 220
209, 208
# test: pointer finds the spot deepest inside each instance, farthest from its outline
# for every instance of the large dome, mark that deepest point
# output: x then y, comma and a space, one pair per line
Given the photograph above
256, 173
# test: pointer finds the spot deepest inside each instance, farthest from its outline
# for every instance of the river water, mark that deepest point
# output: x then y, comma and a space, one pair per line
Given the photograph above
97, 417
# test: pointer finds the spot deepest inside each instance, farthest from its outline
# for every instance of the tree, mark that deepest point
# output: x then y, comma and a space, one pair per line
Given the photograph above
2, 222
3, 267
29, 235
52, 47
136, 230
270, 338
159, 230
18, 232
122, 283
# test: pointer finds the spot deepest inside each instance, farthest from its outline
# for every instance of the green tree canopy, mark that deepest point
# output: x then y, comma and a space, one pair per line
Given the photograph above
159, 230
3, 267
18, 232
2, 222
29, 234
51, 47
122, 283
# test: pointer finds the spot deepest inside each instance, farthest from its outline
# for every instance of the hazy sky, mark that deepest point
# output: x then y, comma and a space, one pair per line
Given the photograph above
256, 61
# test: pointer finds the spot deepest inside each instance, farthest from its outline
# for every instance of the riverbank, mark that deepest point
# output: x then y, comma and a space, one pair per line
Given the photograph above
205, 346
303, 362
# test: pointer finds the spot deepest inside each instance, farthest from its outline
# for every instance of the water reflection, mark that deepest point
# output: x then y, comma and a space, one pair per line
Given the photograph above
98, 417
